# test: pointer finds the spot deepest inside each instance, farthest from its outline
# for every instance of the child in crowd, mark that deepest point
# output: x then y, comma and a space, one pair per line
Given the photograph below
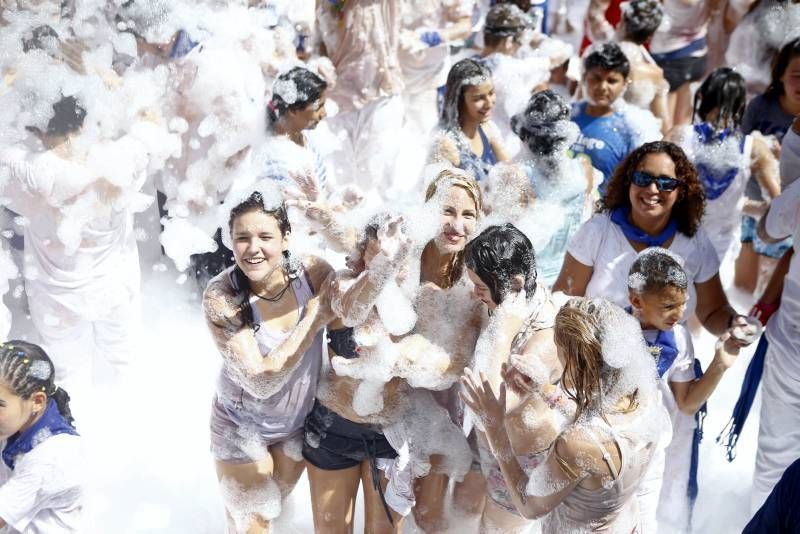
41, 486
658, 292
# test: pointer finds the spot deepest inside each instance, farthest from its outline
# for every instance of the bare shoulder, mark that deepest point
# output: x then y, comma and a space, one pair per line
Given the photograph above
317, 269
219, 298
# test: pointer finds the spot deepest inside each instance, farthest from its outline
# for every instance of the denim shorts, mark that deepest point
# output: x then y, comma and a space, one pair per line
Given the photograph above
771, 250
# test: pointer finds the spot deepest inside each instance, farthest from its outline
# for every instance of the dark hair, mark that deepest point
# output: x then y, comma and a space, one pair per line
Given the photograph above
67, 118
781, 62
25, 368
534, 126
641, 19
654, 269
293, 91
463, 74
723, 90
504, 20
687, 211
607, 56
499, 254
255, 202
40, 38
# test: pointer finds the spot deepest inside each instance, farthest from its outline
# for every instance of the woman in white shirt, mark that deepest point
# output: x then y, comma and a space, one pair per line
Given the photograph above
654, 198
41, 475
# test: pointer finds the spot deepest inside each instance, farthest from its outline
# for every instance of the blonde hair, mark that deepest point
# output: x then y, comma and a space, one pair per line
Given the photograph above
579, 333
456, 178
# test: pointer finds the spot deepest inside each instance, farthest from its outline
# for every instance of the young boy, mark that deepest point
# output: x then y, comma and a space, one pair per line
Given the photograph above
658, 291
607, 135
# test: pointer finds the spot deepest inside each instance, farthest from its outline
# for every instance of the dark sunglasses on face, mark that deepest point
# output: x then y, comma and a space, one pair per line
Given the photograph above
663, 183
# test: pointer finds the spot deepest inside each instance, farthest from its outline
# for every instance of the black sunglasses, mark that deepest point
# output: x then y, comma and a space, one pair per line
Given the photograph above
663, 183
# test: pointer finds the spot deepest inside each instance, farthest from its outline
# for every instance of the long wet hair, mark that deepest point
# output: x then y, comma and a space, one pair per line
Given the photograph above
536, 125
456, 178
578, 333
690, 206
294, 90
723, 90
781, 62
255, 202
26, 368
641, 19
465, 73
497, 255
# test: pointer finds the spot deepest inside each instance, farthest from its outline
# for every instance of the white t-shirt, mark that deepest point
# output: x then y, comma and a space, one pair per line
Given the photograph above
783, 329
44, 492
599, 243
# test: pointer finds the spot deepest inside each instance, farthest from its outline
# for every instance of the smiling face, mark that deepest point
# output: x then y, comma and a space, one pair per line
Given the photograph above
458, 218
648, 203
478, 102
660, 309
603, 87
258, 244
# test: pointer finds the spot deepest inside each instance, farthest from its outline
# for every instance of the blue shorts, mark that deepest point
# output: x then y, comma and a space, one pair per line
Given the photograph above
771, 250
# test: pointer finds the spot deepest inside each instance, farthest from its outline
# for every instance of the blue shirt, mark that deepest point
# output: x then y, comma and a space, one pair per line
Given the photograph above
764, 114
606, 140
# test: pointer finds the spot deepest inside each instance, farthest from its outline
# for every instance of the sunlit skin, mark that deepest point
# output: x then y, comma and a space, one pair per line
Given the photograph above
651, 209
659, 309
602, 88
477, 105
790, 99
18, 414
458, 219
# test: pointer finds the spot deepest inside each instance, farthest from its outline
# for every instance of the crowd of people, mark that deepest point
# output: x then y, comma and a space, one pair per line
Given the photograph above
455, 255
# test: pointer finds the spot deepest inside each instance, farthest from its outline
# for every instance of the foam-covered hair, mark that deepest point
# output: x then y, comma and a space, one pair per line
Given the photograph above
506, 20
654, 269
294, 90
641, 19
545, 124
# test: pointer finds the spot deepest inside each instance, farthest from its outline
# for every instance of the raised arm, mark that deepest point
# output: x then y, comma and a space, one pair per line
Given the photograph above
690, 396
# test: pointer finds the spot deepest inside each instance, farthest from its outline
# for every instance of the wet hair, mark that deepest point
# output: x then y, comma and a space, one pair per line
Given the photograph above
40, 38
690, 206
456, 178
523, 5
654, 269
723, 90
26, 368
294, 90
641, 19
68, 117
255, 202
504, 20
607, 56
536, 125
579, 332
499, 254
781, 62
465, 73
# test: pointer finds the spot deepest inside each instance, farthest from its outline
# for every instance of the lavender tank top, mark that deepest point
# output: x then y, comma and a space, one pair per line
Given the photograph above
283, 413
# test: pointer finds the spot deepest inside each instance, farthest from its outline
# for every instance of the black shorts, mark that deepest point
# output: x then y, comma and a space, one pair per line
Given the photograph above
682, 70
332, 442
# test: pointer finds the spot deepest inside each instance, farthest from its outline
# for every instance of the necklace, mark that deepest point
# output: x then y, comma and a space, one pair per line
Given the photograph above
279, 295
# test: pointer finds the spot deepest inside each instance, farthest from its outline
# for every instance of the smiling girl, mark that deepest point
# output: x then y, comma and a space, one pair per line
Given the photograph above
265, 314
468, 138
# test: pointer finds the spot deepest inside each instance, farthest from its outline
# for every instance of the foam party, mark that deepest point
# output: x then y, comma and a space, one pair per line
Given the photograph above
399, 266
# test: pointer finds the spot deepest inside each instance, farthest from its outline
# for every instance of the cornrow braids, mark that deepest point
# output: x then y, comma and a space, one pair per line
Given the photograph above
26, 368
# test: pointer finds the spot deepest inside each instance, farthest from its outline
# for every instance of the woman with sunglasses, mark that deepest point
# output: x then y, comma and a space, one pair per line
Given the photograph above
654, 198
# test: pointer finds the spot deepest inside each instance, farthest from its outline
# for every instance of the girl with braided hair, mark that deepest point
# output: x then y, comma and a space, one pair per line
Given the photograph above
41, 486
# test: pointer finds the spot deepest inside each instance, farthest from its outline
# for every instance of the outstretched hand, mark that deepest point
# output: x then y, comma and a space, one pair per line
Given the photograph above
391, 237
478, 396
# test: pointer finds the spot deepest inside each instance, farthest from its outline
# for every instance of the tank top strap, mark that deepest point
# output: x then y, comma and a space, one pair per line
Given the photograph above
606, 455
488, 155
